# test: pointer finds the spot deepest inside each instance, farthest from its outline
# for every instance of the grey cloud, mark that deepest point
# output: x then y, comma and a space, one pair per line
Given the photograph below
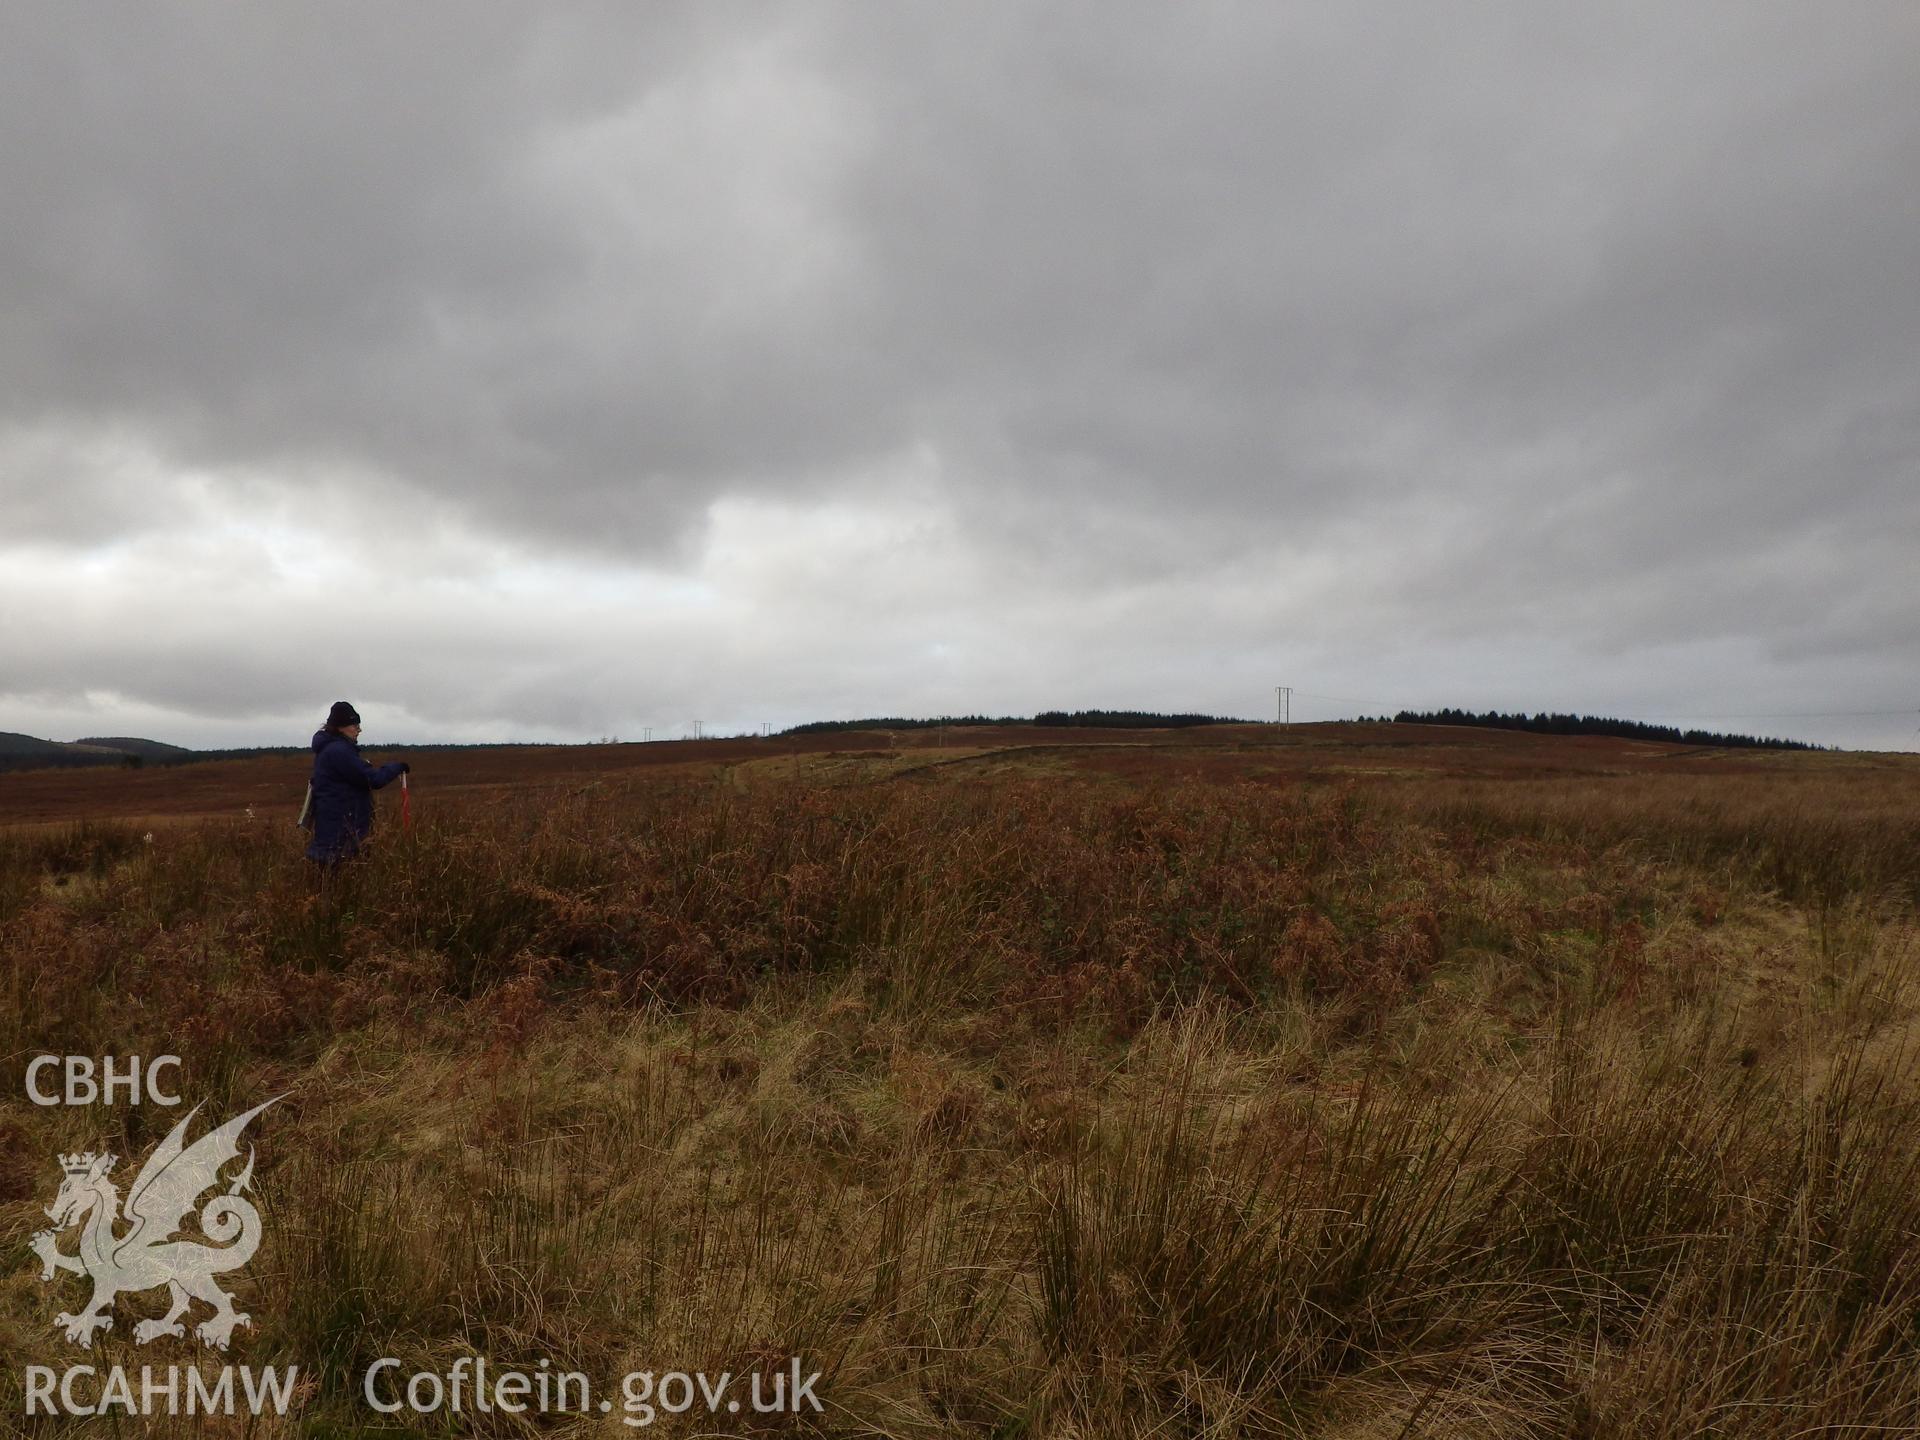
1583, 328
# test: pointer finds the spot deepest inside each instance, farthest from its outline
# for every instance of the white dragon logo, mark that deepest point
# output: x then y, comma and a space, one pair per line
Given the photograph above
147, 1256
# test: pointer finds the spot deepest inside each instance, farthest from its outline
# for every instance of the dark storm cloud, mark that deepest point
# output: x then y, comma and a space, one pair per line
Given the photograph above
1481, 352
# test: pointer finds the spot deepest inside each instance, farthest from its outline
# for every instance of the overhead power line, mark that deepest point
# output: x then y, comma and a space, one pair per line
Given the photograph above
1346, 700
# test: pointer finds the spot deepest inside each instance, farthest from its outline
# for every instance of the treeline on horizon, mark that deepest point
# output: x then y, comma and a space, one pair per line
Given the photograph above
1556, 724
1115, 719
21, 752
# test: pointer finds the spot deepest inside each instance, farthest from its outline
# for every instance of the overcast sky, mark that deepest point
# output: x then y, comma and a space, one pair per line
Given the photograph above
559, 371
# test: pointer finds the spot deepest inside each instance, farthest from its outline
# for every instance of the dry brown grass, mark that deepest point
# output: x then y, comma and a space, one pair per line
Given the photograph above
1108, 1106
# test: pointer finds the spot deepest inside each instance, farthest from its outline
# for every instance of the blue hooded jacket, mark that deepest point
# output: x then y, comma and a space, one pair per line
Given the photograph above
343, 786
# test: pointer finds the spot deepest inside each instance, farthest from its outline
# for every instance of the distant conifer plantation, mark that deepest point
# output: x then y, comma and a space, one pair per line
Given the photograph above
1555, 724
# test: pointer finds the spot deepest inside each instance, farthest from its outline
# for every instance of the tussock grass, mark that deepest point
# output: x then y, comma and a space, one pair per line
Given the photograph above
1817, 836
1039, 1108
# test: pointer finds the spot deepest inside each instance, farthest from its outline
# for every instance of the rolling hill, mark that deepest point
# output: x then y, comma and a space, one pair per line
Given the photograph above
27, 752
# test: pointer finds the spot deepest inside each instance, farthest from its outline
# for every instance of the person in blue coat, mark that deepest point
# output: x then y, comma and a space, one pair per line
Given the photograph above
343, 786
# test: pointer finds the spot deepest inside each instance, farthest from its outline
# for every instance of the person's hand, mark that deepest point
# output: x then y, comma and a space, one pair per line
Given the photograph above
405, 767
